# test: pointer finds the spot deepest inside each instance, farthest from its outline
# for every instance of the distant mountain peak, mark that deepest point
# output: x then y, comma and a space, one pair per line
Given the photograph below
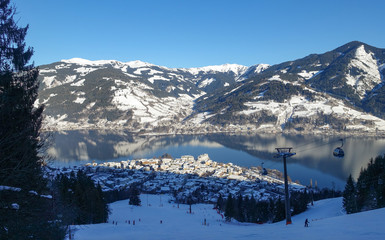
352, 45
228, 67
138, 64
82, 61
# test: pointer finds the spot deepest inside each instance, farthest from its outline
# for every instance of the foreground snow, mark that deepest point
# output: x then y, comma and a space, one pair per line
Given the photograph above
327, 221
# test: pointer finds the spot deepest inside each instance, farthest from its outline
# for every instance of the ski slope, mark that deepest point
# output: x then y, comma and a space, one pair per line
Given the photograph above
327, 221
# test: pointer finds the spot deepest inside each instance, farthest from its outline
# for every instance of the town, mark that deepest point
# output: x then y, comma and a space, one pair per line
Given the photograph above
187, 179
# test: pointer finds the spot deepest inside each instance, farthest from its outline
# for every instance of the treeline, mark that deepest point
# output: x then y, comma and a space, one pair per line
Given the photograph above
245, 209
320, 119
369, 191
132, 194
78, 199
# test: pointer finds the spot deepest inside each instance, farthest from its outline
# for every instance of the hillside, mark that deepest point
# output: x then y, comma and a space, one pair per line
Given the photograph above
326, 222
338, 91
79, 93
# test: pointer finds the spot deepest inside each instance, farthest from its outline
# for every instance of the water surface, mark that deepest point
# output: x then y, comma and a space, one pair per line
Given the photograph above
313, 160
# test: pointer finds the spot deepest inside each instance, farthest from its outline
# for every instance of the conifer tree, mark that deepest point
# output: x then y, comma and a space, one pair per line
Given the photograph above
370, 185
252, 209
246, 208
219, 204
20, 140
279, 210
82, 202
134, 198
20, 122
229, 209
239, 210
349, 196
262, 211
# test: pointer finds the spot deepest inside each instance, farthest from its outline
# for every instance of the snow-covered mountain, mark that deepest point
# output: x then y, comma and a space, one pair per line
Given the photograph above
340, 90
79, 93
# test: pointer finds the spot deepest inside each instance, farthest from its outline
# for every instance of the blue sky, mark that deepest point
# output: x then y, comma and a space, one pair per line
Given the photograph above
195, 33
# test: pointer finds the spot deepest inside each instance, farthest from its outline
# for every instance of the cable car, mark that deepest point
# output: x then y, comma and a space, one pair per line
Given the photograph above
339, 152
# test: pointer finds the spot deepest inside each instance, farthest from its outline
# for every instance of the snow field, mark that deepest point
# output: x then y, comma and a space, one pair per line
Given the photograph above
299, 106
369, 76
327, 221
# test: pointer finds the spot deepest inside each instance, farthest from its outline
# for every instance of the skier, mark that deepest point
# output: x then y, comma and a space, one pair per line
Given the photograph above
306, 223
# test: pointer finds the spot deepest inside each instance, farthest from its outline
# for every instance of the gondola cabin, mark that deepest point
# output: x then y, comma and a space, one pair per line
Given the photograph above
338, 152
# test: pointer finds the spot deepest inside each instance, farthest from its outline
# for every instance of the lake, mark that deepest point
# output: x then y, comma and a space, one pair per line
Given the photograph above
313, 160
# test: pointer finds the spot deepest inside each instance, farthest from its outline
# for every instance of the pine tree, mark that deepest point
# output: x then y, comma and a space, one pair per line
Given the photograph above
240, 209
229, 209
252, 210
101, 205
20, 140
246, 208
262, 211
299, 201
379, 181
134, 198
81, 201
20, 122
219, 204
349, 196
279, 210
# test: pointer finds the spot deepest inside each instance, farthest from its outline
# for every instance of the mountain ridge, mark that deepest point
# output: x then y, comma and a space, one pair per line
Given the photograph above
341, 90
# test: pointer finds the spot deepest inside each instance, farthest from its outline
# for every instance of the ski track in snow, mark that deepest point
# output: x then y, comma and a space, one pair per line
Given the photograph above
327, 221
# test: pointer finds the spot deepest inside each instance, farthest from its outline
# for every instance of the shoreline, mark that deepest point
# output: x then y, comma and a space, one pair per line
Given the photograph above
247, 133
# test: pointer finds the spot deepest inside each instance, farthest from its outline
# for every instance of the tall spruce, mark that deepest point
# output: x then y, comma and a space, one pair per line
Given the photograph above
279, 210
134, 198
20, 122
81, 202
20, 145
229, 208
370, 185
349, 196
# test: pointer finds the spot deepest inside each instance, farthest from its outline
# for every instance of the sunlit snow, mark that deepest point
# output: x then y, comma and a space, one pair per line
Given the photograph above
369, 75
206, 82
158, 218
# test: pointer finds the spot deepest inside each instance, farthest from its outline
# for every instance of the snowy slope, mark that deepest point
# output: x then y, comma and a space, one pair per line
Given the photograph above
80, 93
235, 68
368, 75
327, 221
339, 91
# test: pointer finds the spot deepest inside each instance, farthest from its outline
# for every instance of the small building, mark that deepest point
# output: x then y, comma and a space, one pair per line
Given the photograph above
187, 158
203, 157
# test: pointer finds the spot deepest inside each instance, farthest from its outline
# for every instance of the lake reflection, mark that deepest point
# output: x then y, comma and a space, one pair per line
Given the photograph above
314, 158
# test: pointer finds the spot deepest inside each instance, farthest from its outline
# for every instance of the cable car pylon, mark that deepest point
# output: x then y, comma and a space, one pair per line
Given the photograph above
286, 153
